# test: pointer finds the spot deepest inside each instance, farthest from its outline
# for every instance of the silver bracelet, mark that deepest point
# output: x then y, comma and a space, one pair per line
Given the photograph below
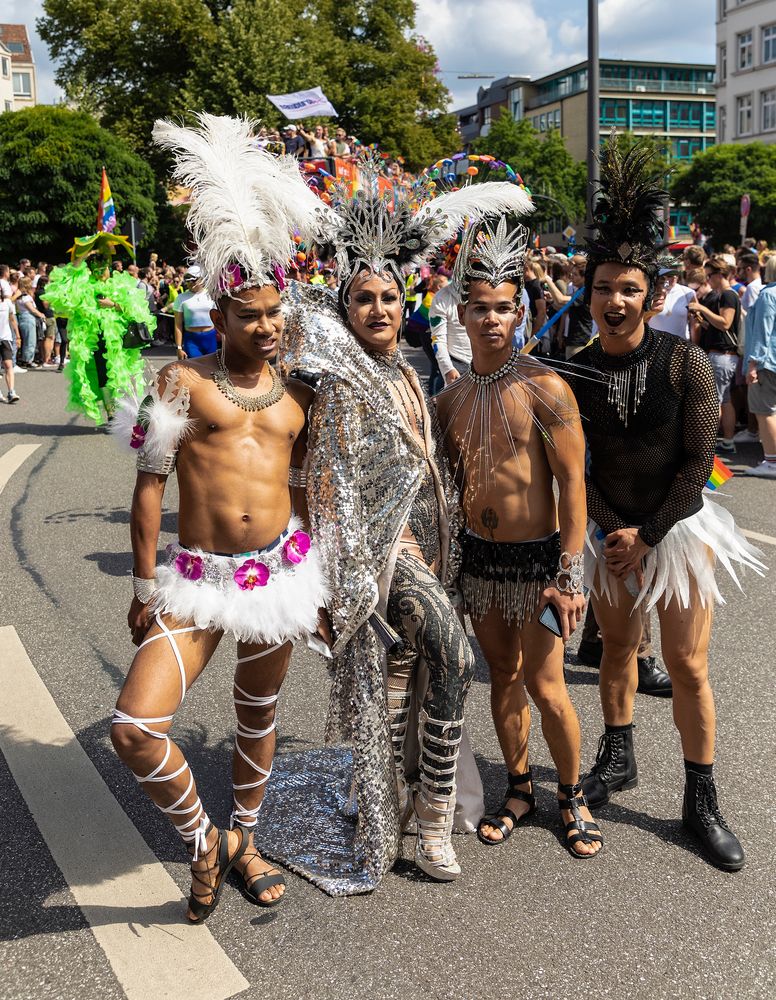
144, 589
297, 478
571, 573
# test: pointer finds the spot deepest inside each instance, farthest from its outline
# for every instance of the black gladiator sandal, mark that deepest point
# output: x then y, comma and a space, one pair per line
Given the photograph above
497, 819
215, 876
582, 831
702, 816
614, 769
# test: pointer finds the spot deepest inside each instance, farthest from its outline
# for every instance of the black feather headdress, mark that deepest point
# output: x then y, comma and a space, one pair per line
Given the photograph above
627, 217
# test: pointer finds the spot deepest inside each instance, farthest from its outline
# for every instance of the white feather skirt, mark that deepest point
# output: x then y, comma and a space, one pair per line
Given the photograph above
284, 608
687, 554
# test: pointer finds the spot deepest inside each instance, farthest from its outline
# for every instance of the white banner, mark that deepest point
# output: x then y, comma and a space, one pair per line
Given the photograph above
303, 103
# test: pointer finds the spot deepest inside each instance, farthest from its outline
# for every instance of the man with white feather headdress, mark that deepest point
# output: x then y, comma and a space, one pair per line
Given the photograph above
512, 428
385, 513
228, 426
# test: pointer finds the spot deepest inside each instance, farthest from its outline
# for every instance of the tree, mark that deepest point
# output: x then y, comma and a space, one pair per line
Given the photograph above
130, 61
711, 186
544, 163
144, 60
51, 160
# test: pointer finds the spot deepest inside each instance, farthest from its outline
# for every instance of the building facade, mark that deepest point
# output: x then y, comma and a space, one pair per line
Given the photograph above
746, 70
15, 47
673, 101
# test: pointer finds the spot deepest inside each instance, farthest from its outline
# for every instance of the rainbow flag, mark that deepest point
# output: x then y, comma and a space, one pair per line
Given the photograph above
106, 210
719, 474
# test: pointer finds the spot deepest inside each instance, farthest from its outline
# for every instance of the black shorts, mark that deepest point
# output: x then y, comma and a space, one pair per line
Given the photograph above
6, 350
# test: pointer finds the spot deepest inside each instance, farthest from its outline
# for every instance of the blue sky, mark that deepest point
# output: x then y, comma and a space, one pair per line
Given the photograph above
530, 37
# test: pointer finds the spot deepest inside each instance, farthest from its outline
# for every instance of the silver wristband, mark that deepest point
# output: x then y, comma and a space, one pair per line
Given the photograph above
144, 589
571, 573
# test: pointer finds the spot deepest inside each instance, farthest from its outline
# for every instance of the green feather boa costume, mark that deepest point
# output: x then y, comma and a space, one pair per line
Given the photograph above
73, 292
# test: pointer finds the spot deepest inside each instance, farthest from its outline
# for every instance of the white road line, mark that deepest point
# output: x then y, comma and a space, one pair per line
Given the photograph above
757, 537
134, 908
12, 459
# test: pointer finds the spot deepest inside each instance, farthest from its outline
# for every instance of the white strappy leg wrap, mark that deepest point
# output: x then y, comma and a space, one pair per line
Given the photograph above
193, 830
240, 813
435, 792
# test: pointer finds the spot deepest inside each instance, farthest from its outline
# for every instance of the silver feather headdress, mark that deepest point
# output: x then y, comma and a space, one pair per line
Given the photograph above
492, 256
246, 203
364, 231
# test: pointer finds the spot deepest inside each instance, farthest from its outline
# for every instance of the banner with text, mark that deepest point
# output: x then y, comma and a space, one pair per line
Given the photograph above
303, 103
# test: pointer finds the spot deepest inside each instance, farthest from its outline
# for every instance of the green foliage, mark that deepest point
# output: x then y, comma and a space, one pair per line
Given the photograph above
144, 60
712, 185
658, 144
50, 169
543, 162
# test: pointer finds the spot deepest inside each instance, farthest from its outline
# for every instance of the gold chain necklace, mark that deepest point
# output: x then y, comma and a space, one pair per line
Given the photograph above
249, 403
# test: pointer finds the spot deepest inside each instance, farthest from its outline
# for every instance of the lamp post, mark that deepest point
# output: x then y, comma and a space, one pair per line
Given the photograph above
592, 104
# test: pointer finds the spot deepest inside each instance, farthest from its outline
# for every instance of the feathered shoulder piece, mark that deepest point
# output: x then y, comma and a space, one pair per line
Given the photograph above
492, 255
627, 221
390, 231
246, 203
151, 422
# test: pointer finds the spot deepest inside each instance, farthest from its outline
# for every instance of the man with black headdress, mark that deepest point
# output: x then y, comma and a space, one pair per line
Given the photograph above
651, 423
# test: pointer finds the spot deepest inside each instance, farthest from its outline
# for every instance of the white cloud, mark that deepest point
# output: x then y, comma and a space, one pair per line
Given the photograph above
518, 37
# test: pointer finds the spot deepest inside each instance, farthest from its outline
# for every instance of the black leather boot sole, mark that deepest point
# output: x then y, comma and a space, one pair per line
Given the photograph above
590, 653
591, 786
708, 852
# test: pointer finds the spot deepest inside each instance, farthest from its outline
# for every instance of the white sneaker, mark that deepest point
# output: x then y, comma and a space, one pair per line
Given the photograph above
726, 445
13, 397
19, 371
765, 470
746, 437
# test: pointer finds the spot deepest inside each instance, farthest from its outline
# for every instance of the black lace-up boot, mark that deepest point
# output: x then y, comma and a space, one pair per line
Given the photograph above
701, 815
615, 766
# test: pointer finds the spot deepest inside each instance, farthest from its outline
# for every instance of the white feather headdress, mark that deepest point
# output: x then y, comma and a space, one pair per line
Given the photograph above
246, 202
363, 231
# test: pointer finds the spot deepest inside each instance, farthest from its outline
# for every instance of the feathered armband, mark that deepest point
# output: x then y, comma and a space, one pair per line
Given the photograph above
154, 424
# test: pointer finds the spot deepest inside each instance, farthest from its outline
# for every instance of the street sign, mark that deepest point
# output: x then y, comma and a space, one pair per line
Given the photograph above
569, 232
746, 204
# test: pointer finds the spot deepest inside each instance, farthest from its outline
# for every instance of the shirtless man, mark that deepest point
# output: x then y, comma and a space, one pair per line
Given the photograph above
228, 426
511, 427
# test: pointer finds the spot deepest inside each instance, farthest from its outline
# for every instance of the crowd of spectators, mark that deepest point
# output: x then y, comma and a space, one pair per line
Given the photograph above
724, 301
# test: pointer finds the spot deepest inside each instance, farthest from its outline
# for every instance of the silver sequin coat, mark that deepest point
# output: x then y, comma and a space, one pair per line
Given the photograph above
364, 471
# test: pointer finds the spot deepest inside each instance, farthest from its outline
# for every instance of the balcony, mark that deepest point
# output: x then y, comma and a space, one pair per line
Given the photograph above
657, 86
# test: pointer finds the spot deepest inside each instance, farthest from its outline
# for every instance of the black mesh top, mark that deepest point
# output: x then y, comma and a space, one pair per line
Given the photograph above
652, 472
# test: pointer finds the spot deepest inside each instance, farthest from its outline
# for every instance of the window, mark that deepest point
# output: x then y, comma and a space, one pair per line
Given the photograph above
722, 63
4, 66
22, 87
744, 50
768, 110
648, 114
769, 43
722, 9
16, 47
614, 112
685, 114
685, 149
722, 122
8, 106
744, 114
542, 123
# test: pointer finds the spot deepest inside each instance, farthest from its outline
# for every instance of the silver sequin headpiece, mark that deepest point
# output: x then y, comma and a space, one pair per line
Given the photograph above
492, 256
395, 232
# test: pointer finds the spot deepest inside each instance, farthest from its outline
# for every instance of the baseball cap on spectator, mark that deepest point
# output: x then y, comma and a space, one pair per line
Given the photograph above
193, 271
290, 128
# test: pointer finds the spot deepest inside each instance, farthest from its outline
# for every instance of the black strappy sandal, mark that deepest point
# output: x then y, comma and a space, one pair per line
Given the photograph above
584, 831
255, 885
212, 887
495, 820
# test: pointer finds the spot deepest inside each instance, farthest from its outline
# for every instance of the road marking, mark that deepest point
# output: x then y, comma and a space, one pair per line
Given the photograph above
12, 459
134, 908
757, 537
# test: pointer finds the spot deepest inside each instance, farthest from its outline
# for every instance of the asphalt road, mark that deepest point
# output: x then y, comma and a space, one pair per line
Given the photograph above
648, 918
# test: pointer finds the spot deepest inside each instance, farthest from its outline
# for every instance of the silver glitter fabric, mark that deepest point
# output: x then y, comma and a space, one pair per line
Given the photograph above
365, 469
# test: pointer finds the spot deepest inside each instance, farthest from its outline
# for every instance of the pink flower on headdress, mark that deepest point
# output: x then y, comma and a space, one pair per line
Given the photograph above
251, 574
280, 276
296, 548
138, 436
189, 566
